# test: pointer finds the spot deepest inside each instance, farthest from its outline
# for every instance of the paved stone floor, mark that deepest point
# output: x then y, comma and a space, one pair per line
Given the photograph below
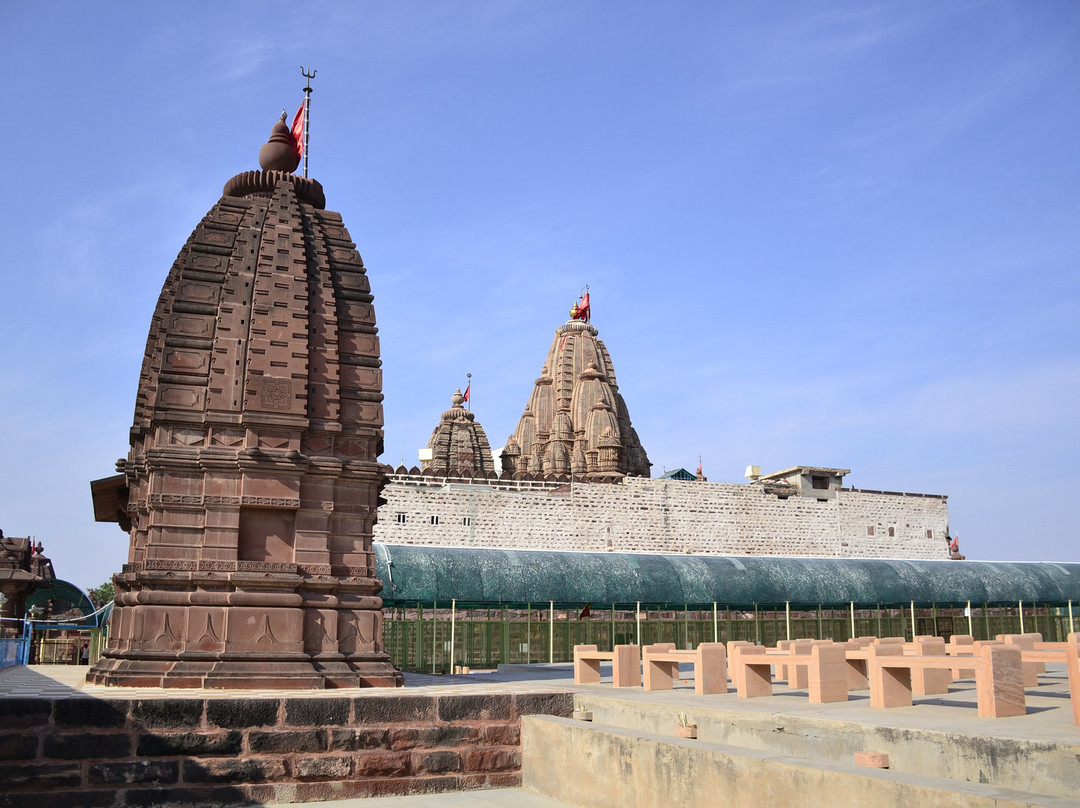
69, 681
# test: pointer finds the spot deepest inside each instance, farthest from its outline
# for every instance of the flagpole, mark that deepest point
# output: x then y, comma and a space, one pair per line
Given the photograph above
307, 113
468, 386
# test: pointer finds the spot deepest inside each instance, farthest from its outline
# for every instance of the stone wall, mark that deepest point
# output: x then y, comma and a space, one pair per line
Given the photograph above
660, 516
83, 751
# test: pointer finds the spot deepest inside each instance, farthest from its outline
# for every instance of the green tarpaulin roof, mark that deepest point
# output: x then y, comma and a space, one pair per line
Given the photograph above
412, 574
62, 593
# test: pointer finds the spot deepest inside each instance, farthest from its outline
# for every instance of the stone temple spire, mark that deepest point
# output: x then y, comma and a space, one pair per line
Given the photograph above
252, 482
458, 444
576, 421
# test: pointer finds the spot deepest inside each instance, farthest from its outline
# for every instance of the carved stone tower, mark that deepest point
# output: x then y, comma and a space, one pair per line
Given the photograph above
576, 420
458, 444
252, 483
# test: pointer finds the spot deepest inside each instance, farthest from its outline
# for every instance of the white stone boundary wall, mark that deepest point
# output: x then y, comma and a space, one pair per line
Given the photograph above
661, 516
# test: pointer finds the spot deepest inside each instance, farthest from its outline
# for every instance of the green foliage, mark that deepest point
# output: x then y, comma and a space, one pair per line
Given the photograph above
103, 594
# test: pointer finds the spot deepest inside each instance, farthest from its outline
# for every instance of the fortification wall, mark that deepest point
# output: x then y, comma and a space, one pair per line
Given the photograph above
660, 516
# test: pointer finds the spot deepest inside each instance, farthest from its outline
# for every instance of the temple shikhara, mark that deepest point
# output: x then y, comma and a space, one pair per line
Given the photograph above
252, 483
576, 421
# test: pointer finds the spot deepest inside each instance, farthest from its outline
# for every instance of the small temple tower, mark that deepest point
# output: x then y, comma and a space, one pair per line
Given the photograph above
458, 445
576, 422
252, 483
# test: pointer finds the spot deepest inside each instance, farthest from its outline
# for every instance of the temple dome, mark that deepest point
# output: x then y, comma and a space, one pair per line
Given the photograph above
576, 419
458, 444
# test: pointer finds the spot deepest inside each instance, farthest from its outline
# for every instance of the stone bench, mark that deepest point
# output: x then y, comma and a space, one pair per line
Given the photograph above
961, 645
795, 675
825, 666
625, 665
731, 646
1069, 653
1026, 642
1034, 642
661, 667
999, 684
925, 682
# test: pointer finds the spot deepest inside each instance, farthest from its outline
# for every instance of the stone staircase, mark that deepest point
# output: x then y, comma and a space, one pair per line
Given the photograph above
627, 756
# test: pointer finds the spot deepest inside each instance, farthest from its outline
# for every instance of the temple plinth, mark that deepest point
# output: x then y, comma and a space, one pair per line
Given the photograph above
252, 483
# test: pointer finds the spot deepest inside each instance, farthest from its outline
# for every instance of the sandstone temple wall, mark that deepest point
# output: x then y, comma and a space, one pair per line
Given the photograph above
660, 516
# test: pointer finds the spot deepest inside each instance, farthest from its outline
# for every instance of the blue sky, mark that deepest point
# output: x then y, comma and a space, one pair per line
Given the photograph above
835, 234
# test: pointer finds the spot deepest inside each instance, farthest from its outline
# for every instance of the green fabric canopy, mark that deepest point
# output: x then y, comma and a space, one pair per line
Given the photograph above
414, 574
63, 594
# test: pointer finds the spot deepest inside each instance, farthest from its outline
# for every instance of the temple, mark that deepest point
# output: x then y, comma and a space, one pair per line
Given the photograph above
458, 445
23, 567
576, 421
252, 484
575, 477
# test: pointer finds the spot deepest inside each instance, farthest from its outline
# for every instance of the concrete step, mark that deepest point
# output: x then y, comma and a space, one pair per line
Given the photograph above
602, 766
484, 798
940, 737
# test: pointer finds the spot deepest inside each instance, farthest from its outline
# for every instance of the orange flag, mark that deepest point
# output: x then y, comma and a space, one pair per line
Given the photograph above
298, 131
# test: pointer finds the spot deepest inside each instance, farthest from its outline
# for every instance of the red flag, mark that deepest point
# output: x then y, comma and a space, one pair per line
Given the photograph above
298, 130
699, 474
585, 612
467, 388
583, 309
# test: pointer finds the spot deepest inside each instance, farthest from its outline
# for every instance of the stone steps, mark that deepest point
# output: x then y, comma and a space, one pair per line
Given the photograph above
967, 749
598, 765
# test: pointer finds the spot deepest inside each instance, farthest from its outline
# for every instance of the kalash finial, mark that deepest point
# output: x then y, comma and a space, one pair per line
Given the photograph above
582, 310
279, 152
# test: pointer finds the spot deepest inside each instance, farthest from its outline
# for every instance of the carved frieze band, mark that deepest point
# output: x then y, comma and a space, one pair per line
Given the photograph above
346, 573
195, 499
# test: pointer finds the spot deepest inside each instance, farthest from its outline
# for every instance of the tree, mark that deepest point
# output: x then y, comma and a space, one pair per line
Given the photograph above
103, 594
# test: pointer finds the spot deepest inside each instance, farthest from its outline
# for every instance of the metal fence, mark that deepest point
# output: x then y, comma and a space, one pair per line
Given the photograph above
13, 651
431, 638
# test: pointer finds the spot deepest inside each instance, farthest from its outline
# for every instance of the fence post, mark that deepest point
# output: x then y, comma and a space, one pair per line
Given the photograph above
453, 612
551, 632
1021, 617
434, 631
419, 636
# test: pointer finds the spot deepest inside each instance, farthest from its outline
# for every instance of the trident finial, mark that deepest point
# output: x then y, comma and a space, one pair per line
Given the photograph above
307, 112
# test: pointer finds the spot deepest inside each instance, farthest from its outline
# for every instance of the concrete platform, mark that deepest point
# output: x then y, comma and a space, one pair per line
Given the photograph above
776, 750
